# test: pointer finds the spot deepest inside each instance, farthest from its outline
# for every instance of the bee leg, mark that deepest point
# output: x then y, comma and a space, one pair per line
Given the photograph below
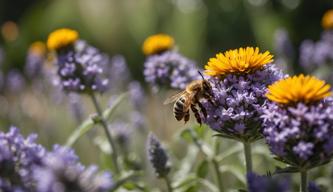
196, 114
203, 109
210, 99
187, 116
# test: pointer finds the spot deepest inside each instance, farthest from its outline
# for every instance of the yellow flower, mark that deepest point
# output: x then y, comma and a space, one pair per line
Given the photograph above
157, 43
238, 61
61, 38
291, 90
327, 20
37, 48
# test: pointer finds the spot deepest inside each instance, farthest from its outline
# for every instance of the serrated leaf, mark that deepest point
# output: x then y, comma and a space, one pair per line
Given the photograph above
89, 123
203, 169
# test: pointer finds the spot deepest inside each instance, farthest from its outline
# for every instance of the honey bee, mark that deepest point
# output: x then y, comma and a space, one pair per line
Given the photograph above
190, 98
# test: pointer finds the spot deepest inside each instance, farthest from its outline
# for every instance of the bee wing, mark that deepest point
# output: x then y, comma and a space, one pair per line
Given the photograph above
173, 98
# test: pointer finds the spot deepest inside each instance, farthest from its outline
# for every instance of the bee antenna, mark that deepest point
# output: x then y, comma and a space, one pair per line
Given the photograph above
201, 75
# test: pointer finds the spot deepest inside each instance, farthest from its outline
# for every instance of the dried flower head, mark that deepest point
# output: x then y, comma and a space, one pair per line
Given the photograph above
157, 156
291, 90
327, 20
238, 61
157, 43
62, 38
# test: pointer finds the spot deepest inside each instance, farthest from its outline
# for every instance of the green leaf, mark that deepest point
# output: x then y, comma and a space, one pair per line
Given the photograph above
186, 135
203, 169
89, 123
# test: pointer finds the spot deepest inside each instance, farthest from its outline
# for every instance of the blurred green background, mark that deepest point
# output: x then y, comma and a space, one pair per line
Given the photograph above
201, 28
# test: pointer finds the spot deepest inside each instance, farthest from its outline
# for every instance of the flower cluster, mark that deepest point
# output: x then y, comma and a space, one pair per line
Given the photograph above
157, 156
80, 66
169, 69
298, 122
316, 54
238, 97
18, 157
61, 172
27, 166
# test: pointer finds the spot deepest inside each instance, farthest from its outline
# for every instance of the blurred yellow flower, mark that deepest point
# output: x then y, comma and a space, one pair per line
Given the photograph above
291, 90
61, 38
157, 43
237, 61
327, 20
38, 48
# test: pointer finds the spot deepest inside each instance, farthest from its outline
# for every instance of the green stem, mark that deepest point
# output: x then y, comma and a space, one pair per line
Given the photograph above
123, 180
168, 183
216, 165
304, 181
107, 132
248, 157
218, 174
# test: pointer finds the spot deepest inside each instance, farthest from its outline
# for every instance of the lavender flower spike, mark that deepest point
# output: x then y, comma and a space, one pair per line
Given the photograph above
157, 156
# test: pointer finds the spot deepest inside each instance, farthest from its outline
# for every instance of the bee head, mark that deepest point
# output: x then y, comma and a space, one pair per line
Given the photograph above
205, 83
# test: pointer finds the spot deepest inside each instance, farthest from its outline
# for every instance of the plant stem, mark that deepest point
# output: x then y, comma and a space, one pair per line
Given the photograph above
304, 181
216, 165
248, 157
123, 180
168, 183
104, 124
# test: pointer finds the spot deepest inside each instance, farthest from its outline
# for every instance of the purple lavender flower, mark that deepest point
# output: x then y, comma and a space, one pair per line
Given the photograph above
118, 72
157, 156
61, 172
258, 183
283, 45
14, 81
18, 157
313, 187
238, 101
317, 54
169, 69
35, 60
301, 135
81, 69
137, 95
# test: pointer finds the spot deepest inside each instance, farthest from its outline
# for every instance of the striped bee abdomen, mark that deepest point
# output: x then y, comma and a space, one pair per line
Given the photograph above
179, 108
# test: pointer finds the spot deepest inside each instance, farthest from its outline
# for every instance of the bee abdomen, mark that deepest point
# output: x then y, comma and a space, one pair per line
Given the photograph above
178, 108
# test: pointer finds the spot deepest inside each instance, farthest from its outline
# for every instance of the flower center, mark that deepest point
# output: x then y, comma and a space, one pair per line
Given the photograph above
296, 89
327, 20
157, 43
238, 61
61, 38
